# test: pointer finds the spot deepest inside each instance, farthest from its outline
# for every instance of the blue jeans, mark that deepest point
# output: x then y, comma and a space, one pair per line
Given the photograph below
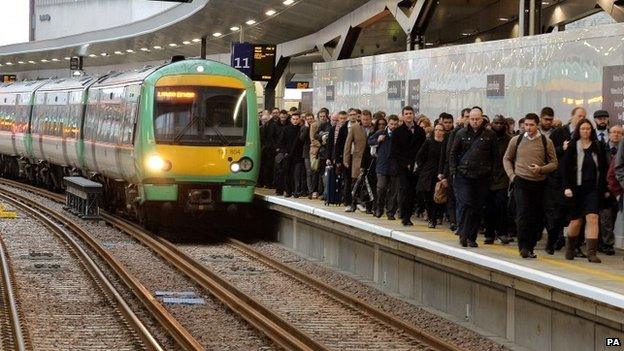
471, 194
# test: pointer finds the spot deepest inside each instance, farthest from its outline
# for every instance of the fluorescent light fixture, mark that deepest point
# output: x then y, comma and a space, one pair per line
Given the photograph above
93, 55
31, 61
503, 19
21, 62
270, 12
118, 53
173, 45
130, 51
9, 63
288, 2
234, 29
196, 40
186, 42
251, 22
217, 34
157, 47
428, 44
55, 60
67, 58
104, 54
145, 49
545, 3
43, 60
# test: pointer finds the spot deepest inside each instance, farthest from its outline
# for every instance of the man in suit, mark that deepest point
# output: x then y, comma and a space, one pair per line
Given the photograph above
356, 155
610, 208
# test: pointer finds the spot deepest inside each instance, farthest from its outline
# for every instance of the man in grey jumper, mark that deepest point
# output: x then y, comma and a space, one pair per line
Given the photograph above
527, 164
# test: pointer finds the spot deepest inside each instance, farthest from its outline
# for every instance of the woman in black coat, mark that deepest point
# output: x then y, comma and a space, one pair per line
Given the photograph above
585, 184
427, 159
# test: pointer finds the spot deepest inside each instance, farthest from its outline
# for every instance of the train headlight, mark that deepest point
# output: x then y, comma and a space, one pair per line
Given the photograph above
156, 163
235, 167
246, 164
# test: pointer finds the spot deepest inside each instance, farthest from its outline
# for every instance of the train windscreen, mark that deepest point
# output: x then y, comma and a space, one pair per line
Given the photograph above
195, 115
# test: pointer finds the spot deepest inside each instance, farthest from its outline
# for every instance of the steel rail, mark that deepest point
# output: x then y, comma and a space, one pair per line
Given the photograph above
19, 341
273, 326
182, 337
345, 298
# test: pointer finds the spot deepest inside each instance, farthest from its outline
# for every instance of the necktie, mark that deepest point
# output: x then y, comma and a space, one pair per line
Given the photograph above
613, 150
602, 138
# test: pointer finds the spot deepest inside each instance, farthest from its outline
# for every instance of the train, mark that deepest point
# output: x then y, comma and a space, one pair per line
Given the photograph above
183, 135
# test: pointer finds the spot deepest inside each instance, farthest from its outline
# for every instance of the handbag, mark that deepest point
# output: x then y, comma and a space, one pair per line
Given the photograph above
440, 194
314, 163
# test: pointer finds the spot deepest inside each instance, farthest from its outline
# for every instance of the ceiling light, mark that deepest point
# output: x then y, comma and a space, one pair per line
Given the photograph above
145, 49
217, 34
93, 55
67, 58
251, 22
31, 61
428, 44
270, 13
20, 62
173, 45
545, 3
465, 34
104, 54
118, 53
44, 60
234, 29
130, 51
157, 47
186, 42
9, 63
504, 19
55, 60
288, 2
196, 40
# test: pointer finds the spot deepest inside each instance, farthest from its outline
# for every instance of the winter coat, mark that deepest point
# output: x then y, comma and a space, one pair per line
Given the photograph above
386, 158
500, 180
427, 159
476, 161
570, 168
407, 144
356, 150
315, 145
327, 130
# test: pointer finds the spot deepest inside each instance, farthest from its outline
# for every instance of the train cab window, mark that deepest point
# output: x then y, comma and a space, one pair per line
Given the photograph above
192, 115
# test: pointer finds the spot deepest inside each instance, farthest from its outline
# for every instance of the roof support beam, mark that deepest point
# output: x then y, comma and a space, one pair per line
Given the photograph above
269, 90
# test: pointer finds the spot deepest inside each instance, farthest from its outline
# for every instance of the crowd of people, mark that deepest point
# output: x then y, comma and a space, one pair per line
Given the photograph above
480, 174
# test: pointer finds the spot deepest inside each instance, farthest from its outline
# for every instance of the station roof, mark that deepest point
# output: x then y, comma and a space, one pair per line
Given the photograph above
177, 31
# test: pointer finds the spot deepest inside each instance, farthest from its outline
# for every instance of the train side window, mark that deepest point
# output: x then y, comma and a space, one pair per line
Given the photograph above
7, 112
131, 113
39, 113
91, 117
74, 113
22, 116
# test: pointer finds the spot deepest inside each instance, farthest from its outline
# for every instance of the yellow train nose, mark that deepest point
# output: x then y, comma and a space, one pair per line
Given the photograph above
199, 161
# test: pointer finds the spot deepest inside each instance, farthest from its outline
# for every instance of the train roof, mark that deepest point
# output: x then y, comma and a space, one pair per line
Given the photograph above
23, 87
68, 83
120, 78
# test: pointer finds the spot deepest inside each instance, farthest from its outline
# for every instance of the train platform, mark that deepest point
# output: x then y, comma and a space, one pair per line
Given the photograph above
582, 291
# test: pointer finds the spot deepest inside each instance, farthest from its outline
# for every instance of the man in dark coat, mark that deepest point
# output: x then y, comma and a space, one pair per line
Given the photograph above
443, 169
409, 138
387, 167
471, 164
281, 153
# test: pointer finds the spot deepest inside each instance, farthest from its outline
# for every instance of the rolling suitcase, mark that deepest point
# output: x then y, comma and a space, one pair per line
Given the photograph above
333, 186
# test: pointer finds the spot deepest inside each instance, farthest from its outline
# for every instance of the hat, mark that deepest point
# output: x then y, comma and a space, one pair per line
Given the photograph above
601, 114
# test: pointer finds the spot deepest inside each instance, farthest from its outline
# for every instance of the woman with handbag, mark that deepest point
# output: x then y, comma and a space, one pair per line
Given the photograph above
427, 161
585, 184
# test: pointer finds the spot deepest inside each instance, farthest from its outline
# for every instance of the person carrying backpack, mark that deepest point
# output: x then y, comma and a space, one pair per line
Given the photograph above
529, 158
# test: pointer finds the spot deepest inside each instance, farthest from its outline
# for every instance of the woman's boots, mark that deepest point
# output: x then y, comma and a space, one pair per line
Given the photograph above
570, 247
592, 247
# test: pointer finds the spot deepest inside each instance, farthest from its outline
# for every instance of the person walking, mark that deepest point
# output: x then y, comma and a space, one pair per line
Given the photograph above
496, 207
427, 160
584, 180
387, 167
528, 159
608, 213
356, 155
471, 163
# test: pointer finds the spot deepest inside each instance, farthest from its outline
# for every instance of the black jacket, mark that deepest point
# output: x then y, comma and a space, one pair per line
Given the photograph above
427, 159
386, 156
408, 142
304, 137
473, 161
295, 144
325, 150
570, 168
281, 142
445, 152
338, 147
500, 180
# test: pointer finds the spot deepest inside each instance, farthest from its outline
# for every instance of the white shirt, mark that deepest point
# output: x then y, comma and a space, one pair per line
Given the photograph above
526, 135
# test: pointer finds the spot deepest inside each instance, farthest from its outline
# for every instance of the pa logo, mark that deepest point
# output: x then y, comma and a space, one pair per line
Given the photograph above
613, 342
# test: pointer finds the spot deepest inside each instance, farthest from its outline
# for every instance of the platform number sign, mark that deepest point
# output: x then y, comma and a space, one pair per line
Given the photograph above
256, 61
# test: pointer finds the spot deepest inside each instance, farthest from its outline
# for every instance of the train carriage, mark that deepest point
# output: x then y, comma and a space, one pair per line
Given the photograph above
183, 135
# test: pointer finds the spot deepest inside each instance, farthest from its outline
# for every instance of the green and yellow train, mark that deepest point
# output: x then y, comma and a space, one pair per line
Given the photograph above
183, 135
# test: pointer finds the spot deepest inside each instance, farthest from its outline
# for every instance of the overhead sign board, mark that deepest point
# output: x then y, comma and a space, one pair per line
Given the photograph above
298, 85
329, 93
413, 94
75, 63
7, 78
396, 89
257, 61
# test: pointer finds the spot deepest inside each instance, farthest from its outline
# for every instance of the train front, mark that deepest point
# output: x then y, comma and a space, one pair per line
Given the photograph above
199, 138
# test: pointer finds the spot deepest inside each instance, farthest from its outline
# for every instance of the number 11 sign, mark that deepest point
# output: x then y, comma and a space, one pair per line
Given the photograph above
241, 57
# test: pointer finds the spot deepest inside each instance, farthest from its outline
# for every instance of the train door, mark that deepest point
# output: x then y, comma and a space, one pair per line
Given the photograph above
7, 119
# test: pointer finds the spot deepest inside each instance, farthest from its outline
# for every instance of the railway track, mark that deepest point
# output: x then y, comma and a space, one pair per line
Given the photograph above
12, 333
282, 330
